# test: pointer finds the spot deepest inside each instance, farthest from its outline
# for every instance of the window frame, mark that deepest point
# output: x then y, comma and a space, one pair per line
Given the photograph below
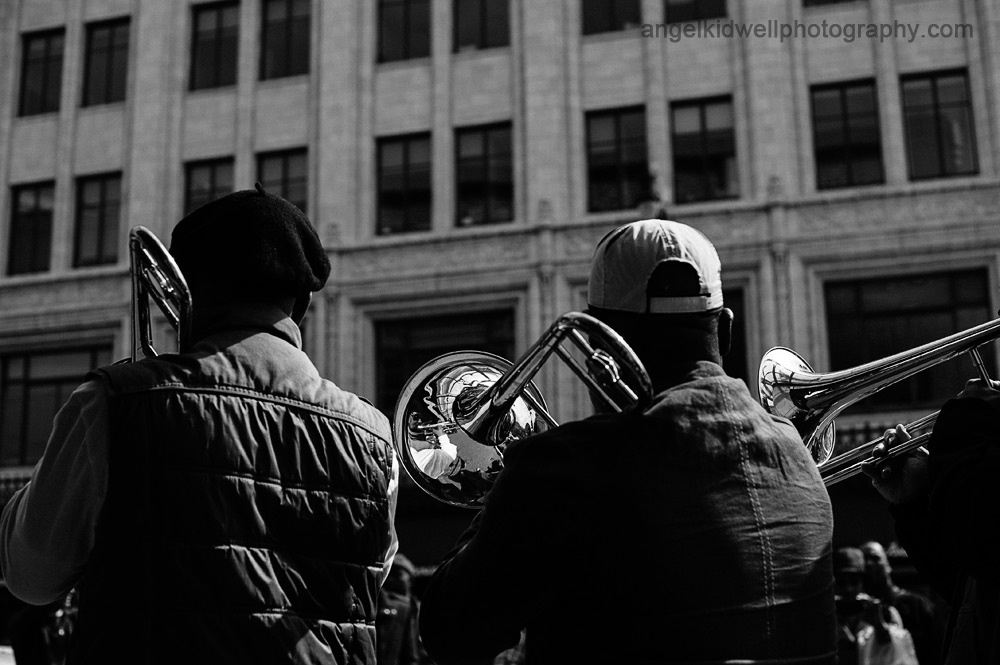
17, 222
48, 104
937, 269
214, 162
282, 189
216, 45
406, 36
407, 140
615, 22
488, 184
933, 77
702, 103
103, 179
409, 323
842, 87
288, 42
620, 166
484, 38
700, 12
109, 93
95, 351
824, 3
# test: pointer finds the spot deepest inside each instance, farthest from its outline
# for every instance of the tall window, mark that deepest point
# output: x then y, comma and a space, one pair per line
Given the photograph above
617, 168
404, 29
610, 15
940, 136
106, 68
285, 38
33, 386
41, 72
678, 11
870, 319
404, 183
30, 228
403, 345
206, 181
285, 174
214, 44
98, 214
484, 175
846, 135
481, 23
704, 150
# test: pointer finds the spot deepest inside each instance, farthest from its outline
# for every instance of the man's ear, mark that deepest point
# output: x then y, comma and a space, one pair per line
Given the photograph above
725, 330
300, 307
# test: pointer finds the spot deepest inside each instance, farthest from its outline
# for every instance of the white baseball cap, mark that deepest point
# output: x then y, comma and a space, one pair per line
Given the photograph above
622, 272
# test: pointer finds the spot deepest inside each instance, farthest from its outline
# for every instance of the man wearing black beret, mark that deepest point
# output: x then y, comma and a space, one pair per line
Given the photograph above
224, 504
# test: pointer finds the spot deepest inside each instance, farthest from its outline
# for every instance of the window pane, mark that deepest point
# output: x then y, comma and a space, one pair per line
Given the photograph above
687, 120
951, 89
35, 386
704, 146
403, 345
420, 29
922, 143
956, 136
497, 22
718, 116
917, 93
392, 44
404, 189
939, 126
467, 23
597, 16
846, 136
471, 144
30, 229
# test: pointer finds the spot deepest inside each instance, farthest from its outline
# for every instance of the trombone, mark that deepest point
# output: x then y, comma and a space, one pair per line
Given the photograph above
155, 275
788, 387
456, 415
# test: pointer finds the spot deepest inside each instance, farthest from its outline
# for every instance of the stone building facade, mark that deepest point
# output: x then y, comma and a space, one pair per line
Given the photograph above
793, 231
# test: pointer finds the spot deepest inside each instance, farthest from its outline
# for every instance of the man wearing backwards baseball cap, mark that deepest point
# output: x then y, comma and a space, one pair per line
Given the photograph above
225, 504
696, 530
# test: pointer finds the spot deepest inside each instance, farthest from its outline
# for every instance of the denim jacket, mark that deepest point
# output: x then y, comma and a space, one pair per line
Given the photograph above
698, 530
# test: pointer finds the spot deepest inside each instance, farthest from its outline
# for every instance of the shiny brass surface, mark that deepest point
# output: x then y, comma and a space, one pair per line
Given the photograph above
155, 275
788, 387
458, 413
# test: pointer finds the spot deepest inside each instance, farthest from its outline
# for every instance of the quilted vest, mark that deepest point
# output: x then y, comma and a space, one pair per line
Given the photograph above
247, 517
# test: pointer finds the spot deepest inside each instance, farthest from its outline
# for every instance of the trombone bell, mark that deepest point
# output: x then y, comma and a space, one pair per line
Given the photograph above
439, 454
459, 412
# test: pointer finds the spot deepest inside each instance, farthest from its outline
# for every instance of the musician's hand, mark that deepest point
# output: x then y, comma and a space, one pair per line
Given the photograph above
902, 479
977, 388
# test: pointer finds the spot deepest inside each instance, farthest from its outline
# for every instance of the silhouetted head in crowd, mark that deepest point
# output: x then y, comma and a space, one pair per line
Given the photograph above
878, 572
848, 572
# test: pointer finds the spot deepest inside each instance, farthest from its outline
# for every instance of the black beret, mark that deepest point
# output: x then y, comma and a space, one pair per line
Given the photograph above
250, 240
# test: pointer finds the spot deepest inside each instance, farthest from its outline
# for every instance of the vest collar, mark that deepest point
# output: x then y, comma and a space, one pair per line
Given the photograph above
258, 317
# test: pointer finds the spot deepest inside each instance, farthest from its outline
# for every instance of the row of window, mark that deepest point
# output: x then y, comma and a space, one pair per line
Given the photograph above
404, 26
940, 140
98, 208
866, 319
284, 51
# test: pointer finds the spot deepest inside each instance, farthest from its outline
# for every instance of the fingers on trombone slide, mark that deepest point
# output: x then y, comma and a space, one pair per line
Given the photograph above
881, 465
